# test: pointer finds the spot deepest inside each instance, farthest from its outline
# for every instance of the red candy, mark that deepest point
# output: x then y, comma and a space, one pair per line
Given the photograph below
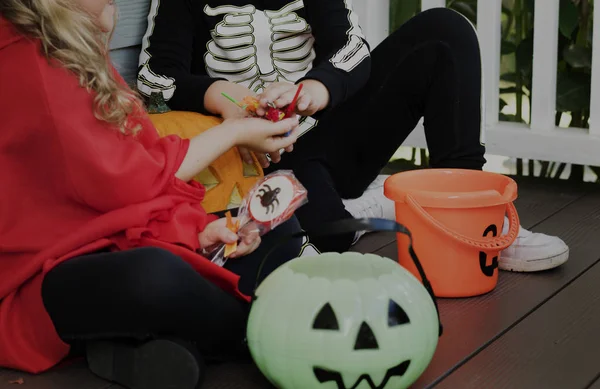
273, 114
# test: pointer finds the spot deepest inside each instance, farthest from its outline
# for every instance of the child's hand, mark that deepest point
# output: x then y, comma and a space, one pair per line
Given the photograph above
313, 97
263, 136
215, 103
218, 233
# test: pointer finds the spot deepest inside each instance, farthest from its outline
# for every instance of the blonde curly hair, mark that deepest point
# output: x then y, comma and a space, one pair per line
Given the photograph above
71, 36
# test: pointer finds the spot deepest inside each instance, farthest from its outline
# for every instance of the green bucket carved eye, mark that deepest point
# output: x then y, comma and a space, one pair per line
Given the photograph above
326, 319
396, 315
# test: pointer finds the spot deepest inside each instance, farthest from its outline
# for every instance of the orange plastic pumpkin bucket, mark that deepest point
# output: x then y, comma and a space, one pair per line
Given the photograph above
456, 219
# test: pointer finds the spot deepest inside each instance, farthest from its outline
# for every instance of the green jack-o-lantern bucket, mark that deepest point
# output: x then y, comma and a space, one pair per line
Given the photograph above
344, 321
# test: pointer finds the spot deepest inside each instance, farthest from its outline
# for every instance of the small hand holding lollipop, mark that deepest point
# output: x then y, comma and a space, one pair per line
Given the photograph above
272, 201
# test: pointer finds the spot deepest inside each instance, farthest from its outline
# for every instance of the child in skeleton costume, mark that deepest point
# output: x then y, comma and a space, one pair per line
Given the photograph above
357, 106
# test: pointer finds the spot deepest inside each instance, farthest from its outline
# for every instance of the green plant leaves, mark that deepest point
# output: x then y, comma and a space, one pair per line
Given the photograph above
525, 54
569, 17
578, 57
508, 47
401, 11
573, 91
468, 8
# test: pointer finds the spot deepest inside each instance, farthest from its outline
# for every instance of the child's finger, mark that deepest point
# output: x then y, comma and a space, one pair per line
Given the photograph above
282, 127
250, 237
275, 157
245, 248
303, 102
284, 142
245, 154
286, 98
273, 93
226, 235
262, 160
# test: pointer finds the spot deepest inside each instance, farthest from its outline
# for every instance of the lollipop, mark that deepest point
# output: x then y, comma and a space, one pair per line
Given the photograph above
272, 201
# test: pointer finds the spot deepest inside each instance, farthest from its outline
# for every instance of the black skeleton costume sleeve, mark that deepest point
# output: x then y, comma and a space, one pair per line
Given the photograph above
189, 44
167, 56
343, 62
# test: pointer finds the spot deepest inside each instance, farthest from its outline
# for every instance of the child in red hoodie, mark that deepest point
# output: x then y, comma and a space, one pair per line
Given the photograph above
100, 224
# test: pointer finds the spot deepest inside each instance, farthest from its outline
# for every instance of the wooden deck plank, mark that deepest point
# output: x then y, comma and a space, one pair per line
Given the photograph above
374, 241
74, 376
235, 376
227, 376
595, 384
538, 199
555, 347
471, 324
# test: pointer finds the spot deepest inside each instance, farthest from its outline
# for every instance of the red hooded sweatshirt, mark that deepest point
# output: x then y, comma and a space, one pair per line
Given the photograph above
70, 184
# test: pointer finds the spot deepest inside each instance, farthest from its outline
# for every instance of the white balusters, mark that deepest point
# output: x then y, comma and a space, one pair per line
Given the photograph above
374, 18
542, 140
595, 99
427, 4
545, 56
489, 29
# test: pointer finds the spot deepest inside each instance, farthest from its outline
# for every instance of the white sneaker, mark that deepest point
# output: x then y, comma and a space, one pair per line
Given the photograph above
372, 204
532, 252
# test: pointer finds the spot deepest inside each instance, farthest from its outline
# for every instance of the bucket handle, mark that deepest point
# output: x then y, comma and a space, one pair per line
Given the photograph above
500, 242
354, 225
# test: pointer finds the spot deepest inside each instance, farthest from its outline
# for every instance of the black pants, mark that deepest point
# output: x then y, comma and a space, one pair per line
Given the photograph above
149, 292
429, 68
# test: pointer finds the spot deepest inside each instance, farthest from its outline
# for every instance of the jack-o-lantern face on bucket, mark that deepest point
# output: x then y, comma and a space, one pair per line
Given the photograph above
326, 320
342, 321
488, 270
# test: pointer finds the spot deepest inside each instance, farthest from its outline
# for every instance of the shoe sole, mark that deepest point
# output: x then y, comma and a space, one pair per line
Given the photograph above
157, 364
534, 265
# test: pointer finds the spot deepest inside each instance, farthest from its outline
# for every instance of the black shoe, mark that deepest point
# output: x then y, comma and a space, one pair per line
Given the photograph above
156, 364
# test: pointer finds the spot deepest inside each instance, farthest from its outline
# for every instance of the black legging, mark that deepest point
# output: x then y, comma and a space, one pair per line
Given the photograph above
430, 67
150, 292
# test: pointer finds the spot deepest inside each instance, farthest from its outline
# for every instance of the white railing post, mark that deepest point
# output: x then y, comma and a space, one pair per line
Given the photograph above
374, 19
489, 30
545, 57
595, 98
428, 4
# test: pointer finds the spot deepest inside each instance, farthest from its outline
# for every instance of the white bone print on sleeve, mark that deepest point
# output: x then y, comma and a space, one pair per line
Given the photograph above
355, 50
255, 48
149, 82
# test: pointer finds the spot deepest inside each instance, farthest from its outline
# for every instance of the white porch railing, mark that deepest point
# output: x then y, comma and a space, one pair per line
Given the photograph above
541, 139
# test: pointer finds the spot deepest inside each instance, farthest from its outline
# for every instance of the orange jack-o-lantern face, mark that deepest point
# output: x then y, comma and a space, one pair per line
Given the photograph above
228, 179
488, 270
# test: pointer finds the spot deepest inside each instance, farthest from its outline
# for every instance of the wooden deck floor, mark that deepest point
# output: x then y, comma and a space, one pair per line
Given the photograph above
533, 331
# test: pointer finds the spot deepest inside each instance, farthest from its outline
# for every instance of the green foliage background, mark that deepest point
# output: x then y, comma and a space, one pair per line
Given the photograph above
573, 72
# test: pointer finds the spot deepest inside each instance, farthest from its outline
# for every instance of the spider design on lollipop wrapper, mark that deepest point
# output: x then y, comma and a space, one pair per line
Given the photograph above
268, 197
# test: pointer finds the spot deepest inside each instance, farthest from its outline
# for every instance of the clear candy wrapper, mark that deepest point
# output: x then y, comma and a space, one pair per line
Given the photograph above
272, 201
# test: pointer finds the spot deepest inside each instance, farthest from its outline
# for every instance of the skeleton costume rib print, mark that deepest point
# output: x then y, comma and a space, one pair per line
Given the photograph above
189, 44
255, 48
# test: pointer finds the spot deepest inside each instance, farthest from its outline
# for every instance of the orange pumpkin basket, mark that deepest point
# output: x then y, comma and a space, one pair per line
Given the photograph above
456, 218
228, 179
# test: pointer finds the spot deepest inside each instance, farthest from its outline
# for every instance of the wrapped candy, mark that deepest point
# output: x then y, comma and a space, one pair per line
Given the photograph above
272, 201
250, 104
